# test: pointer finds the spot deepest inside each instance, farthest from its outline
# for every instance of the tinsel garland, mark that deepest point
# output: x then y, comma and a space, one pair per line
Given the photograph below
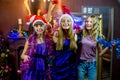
109, 44
14, 34
103, 42
116, 42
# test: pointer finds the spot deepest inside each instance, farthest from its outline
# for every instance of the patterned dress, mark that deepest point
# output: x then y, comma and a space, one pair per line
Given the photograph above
64, 63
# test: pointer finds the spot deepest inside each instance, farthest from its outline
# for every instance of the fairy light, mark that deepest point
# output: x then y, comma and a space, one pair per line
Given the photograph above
27, 2
44, 0
32, 0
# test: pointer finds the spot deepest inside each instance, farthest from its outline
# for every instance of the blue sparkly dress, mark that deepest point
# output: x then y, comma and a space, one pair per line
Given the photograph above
38, 64
64, 63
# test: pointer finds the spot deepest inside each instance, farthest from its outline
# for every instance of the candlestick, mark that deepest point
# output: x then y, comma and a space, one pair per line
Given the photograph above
19, 21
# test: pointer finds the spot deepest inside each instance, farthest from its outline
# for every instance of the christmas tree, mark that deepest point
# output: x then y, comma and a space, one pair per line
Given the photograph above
5, 66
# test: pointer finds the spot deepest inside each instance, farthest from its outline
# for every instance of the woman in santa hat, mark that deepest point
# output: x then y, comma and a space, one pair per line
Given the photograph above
65, 58
37, 51
55, 10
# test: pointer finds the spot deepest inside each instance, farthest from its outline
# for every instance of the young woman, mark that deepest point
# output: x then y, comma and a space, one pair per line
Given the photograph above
36, 52
87, 47
65, 40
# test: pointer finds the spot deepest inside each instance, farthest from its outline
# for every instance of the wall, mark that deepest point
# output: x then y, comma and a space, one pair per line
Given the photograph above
115, 66
10, 11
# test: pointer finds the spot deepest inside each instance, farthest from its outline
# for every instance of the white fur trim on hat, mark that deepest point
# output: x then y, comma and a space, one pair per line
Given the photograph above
31, 20
38, 21
66, 15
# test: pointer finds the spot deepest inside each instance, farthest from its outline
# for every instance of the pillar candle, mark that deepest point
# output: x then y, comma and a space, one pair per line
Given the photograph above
19, 21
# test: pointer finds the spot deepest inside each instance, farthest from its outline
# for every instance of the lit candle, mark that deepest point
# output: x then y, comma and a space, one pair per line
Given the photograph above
19, 21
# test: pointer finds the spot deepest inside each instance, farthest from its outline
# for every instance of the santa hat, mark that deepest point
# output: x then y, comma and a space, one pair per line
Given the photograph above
66, 15
32, 19
29, 19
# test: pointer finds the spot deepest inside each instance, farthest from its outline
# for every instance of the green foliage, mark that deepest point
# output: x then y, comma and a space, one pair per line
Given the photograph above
5, 66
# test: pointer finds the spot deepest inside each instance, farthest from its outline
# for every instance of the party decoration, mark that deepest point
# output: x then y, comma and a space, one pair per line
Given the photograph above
25, 34
14, 34
103, 42
117, 43
78, 22
110, 44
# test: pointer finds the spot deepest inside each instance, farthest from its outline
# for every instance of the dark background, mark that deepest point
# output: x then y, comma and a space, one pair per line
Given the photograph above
11, 10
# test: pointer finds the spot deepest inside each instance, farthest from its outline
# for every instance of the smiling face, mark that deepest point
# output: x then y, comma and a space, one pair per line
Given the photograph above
66, 22
89, 23
39, 27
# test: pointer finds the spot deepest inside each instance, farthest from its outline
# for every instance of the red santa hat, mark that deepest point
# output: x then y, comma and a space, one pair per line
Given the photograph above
29, 19
32, 19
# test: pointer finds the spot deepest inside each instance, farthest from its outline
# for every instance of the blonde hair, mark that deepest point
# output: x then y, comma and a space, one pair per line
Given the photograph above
96, 29
70, 35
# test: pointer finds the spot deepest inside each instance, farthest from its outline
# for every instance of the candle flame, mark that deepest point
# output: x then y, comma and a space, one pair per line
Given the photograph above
27, 6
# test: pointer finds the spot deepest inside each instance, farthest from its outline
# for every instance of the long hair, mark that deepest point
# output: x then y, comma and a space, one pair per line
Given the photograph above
96, 29
62, 35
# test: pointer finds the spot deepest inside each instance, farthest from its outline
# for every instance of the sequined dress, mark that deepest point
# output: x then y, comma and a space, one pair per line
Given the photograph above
64, 63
